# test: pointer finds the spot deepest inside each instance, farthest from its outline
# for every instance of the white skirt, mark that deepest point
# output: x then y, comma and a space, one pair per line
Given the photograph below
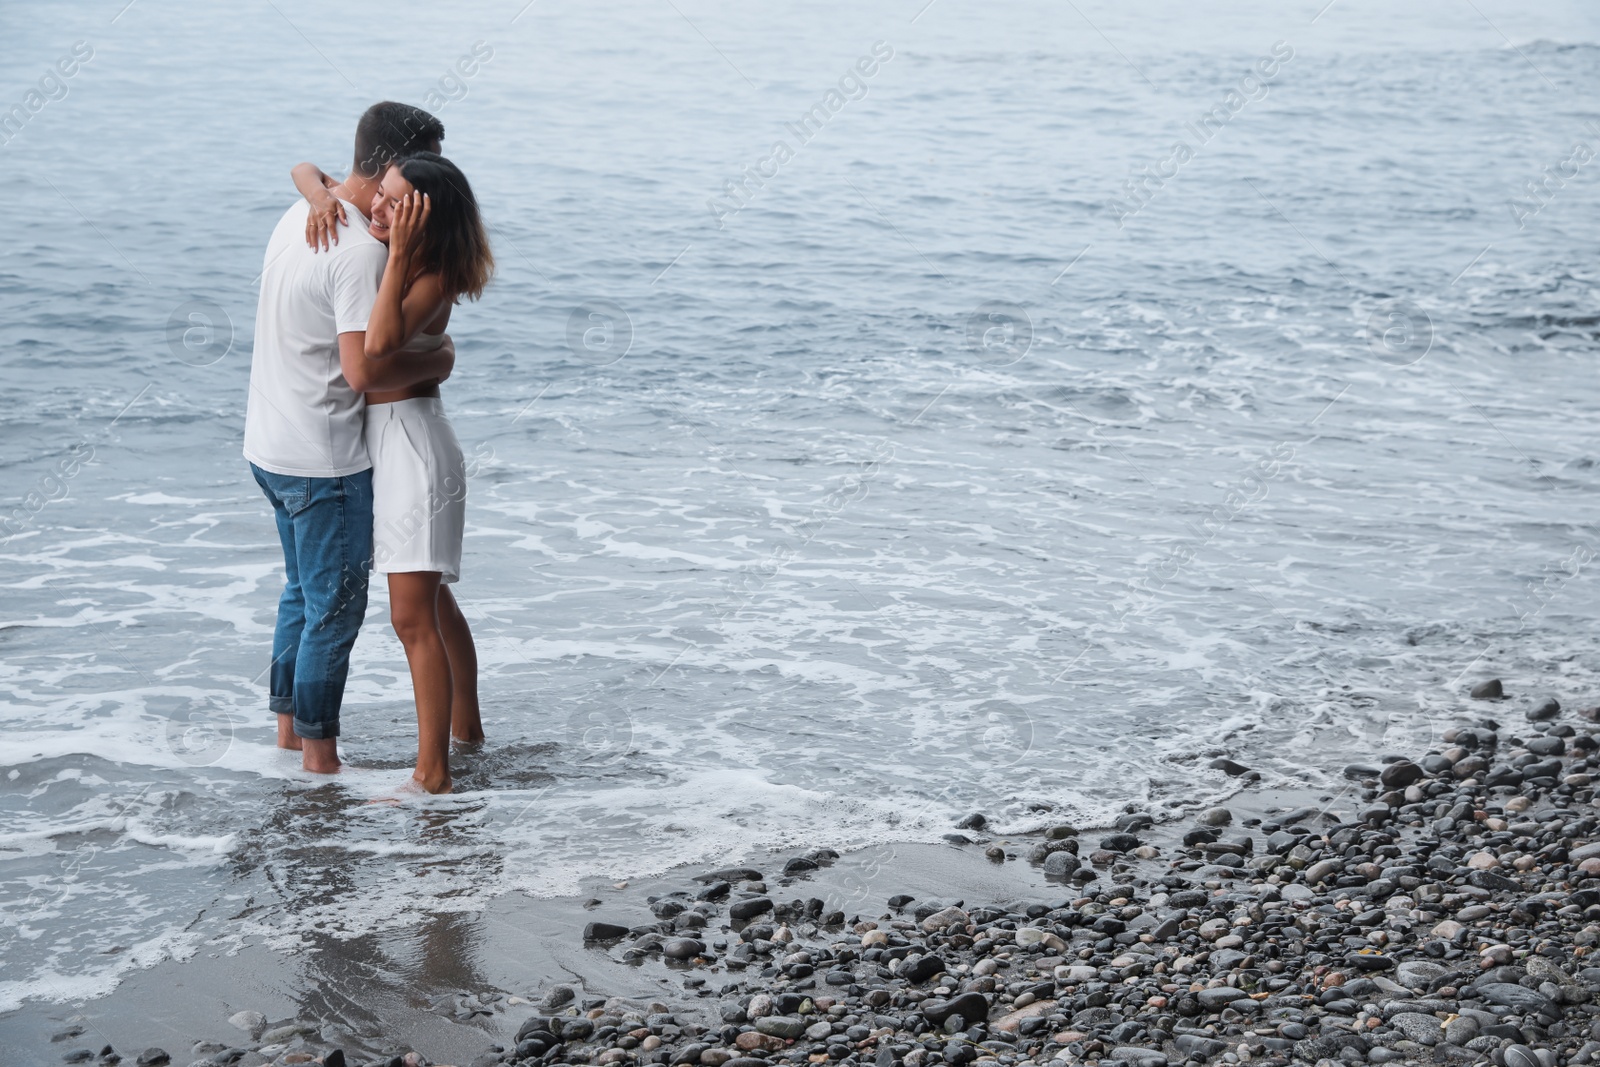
419, 488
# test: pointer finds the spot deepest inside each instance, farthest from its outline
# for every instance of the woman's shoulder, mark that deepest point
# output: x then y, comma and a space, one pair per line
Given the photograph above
428, 281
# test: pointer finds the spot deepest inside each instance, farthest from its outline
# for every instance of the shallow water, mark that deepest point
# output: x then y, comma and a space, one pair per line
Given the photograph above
916, 486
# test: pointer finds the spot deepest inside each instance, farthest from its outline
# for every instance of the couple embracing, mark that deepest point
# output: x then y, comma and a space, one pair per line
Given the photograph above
347, 437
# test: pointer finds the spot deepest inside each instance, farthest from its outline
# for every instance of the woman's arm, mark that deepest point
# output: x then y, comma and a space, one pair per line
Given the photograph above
399, 316
326, 210
405, 304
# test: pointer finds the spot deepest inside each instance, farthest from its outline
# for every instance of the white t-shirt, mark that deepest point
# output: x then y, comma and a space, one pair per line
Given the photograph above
302, 418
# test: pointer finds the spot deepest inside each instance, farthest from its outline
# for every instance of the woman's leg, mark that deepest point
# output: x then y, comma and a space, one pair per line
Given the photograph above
413, 609
465, 723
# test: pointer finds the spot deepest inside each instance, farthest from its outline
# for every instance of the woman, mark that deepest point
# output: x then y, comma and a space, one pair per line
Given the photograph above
438, 253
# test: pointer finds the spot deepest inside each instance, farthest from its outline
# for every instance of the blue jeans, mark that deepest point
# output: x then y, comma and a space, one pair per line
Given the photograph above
325, 525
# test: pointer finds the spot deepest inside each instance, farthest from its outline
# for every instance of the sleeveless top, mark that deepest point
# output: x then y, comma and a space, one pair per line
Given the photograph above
423, 342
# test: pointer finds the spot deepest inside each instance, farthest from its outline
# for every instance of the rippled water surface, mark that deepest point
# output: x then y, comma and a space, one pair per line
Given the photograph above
930, 481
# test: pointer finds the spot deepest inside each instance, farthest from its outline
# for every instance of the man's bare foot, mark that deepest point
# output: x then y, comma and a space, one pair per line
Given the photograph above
320, 756
433, 783
287, 738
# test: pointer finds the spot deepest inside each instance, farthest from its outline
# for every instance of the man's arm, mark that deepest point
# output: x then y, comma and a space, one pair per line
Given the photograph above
374, 374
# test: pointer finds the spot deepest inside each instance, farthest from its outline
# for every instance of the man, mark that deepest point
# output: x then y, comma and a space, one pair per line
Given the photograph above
303, 431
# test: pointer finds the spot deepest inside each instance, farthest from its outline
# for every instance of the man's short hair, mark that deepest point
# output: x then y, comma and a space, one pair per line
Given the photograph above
388, 131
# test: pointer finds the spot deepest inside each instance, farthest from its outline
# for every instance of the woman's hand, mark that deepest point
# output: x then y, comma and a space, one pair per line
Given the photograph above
322, 223
405, 232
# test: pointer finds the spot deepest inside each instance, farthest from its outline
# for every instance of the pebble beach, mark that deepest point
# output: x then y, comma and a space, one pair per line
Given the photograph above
1441, 909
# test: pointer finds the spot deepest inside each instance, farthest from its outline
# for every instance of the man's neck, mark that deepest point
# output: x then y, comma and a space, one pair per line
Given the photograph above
359, 191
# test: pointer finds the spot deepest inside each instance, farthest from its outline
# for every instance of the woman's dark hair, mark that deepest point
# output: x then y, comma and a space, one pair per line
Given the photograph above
453, 243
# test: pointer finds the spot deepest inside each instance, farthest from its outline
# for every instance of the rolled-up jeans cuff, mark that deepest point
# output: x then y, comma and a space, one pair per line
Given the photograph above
281, 705
316, 731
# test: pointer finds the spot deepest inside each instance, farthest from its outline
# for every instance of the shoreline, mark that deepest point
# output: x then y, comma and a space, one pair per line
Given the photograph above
1303, 930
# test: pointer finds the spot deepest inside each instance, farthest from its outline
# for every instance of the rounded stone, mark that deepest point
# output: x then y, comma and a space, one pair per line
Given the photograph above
1521, 1056
784, 1026
682, 948
1424, 1029
1061, 864
1219, 997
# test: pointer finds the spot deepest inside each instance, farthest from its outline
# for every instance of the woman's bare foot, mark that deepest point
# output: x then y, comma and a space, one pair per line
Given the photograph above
432, 784
409, 788
287, 738
467, 735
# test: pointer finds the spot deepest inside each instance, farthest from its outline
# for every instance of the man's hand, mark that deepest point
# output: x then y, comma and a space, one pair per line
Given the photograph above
322, 223
447, 354
428, 368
